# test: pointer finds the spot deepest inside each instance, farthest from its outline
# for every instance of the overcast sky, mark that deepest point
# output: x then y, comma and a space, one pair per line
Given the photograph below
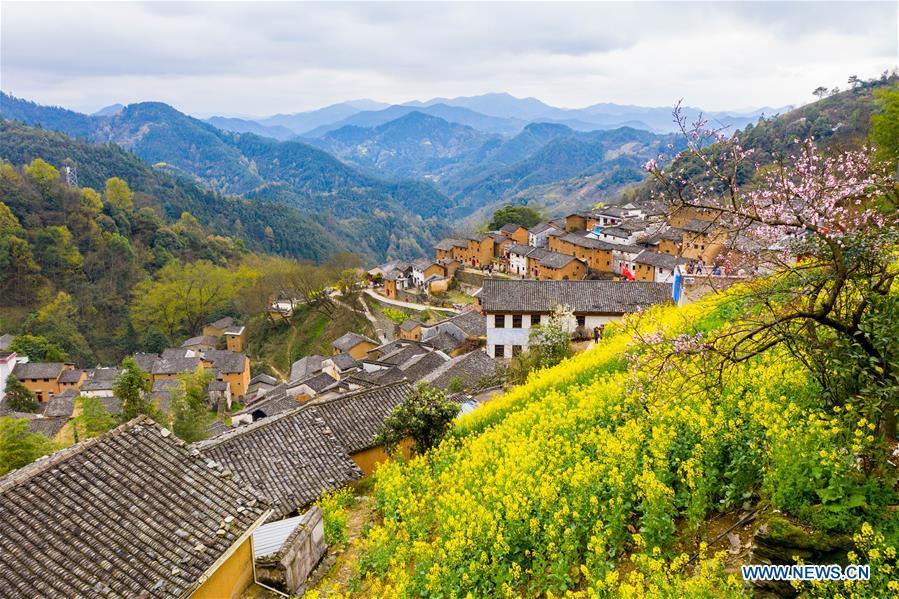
258, 59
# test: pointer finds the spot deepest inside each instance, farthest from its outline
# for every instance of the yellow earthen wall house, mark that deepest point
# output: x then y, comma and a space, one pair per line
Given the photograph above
596, 259
573, 271
231, 578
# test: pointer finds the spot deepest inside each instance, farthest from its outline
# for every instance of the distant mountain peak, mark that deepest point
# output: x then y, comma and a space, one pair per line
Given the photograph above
111, 110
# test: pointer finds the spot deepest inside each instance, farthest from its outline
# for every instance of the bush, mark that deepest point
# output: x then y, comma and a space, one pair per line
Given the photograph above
334, 512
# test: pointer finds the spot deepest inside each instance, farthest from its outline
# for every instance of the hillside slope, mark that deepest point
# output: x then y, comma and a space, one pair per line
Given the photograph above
247, 164
292, 232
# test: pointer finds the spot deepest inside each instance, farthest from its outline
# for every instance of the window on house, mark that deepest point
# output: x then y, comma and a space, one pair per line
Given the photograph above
535, 319
499, 321
39, 395
516, 321
499, 351
516, 349
581, 320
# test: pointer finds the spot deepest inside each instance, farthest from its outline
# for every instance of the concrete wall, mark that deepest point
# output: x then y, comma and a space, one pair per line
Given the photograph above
231, 578
509, 336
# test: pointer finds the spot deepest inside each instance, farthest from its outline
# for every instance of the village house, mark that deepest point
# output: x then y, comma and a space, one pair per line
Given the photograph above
702, 240
457, 334
512, 307
539, 233
236, 338
515, 232
410, 329
306, 366
72, 379
560, 267
292, 458
654, 266
355, 419
500, 243
218, 328
595, 253
450, 248
191, 525
231, 367
42, 378
99, 381
354, 344
467, 371
201, 342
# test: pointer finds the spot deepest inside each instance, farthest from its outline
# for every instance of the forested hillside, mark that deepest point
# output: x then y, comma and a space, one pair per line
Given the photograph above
388, 219
260, 226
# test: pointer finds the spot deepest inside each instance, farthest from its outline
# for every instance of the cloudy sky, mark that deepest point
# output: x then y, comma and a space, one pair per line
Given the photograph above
262, 58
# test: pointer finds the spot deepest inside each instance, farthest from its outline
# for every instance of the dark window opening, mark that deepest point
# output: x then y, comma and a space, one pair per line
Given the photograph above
499, 321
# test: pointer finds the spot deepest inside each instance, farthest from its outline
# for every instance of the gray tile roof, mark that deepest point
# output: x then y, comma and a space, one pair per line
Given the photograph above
223, 323
38, 370
402, 354
471, 322
47, 426
445, 341
588, 242
556, 260
112, 405
289, 458
319, 382
145, 361
128, 513
344, 361
62, 405
659, 260
305, 366
470, 369
173, 365
449, 244
226, 361
596, 297
541, 227
415, 368
699, 226
265, 379
510, 228
100, 379
410, 324
348, 341
274, 402
70, 376
200, 341
356, 418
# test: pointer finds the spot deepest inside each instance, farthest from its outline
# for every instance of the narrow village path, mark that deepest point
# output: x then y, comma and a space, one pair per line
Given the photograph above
409, 305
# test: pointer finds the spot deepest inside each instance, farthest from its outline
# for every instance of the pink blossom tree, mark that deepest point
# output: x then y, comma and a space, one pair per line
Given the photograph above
823, 229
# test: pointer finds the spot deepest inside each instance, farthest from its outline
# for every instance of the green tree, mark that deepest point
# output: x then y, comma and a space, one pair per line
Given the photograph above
118, 194
42, 173
18, 397
884, 133
191, 416
155, 341
56, 321
132, 387
181, 297
425, 417
93, 419
19, 446
9, 224
38, 349
525, 216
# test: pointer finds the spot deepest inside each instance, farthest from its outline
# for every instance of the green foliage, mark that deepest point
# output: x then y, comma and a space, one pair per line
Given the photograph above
93, 418
132, 387
43, 174
56, 322
884, 132
397, 316
525, 216
425, 417
183, 294
155, 340
191, 414
118, 194
19, 446
334, 514
38, 349
18, 397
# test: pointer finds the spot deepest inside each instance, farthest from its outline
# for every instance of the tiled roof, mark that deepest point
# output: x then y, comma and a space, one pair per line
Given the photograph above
47, 426
400, 355
223, 323
659, 260
112, 405
617, 232
62, 404
699, 226
264, 379
38, 370
472, 323
145, 361
415, 368
70, 376
100, 379
613, 211
128, 513
344, 361
588, 242
201, 340
449, 244
541, 227
173, 365
410, 324
445, 341
235, 330
356, 418
598, 297
289, 458
556, 260
306, 366
470, 369
510, 228
317, 382
226, 361
274, 402
348, 341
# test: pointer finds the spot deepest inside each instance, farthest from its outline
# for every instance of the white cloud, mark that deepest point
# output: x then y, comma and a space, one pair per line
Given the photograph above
261, 58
